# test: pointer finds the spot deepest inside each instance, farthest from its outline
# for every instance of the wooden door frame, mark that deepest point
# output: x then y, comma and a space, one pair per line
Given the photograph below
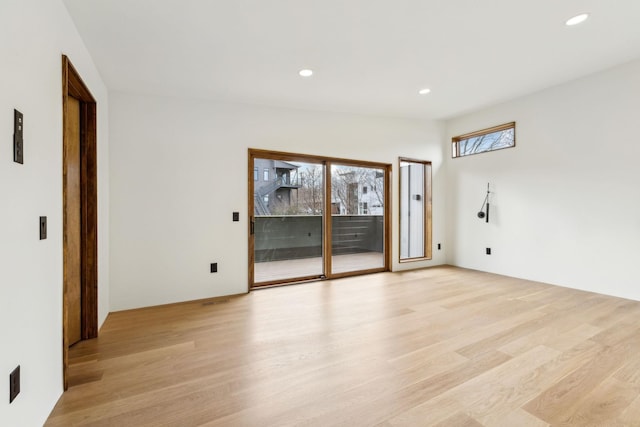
271, 155
72, 85
326, 224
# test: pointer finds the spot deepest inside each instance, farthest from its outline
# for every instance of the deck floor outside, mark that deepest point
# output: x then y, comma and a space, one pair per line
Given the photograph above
279, 270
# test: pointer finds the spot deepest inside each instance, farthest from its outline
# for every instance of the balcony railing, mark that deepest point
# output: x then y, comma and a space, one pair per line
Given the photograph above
285, 237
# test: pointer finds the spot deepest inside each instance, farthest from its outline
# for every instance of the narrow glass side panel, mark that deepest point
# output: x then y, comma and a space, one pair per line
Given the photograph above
412, 210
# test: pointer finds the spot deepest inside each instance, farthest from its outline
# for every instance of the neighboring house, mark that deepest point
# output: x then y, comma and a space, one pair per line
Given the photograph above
371, 196
360, 195
273, 184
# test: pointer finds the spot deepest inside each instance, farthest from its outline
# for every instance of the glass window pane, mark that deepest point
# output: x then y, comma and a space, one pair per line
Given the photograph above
357, 218
492, 139
414, 202
288, 221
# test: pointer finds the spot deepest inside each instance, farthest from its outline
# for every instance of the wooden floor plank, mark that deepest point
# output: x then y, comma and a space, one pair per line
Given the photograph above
440, 346
560, 402
459, 419
603, 404
519, 418
631, 415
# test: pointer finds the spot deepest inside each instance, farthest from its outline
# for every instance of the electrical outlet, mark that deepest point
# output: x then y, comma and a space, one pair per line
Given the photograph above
236, 216
488, 251
214, 267
14, 384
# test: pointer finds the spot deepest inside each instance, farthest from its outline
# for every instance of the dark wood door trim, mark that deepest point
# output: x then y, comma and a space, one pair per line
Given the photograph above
72, 85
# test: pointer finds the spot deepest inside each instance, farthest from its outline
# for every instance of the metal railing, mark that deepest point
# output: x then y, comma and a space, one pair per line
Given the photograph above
260, 207
283, 237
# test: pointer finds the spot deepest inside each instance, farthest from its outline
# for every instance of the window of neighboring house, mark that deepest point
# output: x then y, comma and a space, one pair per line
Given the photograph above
265, 175
492, 139
365, 207
265, 198
364, 190
255, 174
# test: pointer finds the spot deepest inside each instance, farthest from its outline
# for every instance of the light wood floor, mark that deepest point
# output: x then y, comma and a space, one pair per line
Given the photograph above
441, 346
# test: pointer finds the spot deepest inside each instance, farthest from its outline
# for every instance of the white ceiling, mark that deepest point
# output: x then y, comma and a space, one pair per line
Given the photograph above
369, 56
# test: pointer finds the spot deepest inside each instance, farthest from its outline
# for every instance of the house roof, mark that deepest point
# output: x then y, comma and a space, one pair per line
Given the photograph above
285, 165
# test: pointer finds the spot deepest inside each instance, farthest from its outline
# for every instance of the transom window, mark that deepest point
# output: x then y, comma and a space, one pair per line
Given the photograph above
482, 141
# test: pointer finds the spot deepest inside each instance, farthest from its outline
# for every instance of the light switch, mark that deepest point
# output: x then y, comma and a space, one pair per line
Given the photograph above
14, 384
18, 147
43, 227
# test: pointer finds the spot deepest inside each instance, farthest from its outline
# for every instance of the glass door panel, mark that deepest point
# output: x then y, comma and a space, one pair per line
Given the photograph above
287, 220
411, 210
415, 210
357, 218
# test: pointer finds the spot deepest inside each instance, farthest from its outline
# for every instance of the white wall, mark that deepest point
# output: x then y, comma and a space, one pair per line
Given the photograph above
179, 170
34, 34
566, 201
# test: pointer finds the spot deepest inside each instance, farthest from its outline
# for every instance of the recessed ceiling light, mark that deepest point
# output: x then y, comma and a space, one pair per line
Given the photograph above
424, 91
306, 72
578, 19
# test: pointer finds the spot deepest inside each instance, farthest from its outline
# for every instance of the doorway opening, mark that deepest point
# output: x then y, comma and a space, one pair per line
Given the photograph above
314, 218
80, 215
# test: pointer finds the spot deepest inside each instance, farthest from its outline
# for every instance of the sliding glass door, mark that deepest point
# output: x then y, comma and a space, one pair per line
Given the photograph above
357, 218
315, 218
287, 220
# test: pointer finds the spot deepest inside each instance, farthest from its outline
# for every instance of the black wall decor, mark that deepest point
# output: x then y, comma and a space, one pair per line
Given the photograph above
482, 213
